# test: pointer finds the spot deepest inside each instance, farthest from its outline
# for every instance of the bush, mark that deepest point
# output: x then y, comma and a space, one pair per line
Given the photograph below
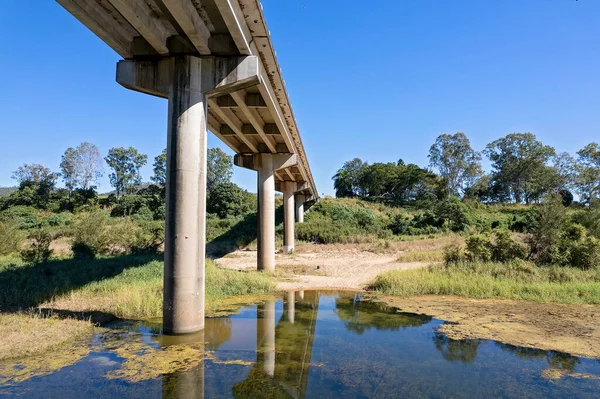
39, 248
505, 248
400, 225
59, 220
451, 212
585, 253
82, 250
10, 237
143, 214
26, 217
90, 234
453, 254
479, 248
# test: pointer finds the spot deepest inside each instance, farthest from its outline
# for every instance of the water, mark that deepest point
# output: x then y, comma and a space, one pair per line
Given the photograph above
327, 345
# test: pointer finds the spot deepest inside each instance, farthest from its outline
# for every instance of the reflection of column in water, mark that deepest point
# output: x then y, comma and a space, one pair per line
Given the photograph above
186, 384
291, 306
265, 335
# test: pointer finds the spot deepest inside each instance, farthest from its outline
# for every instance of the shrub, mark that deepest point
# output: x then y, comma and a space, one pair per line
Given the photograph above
585, 253
505, 248
90, 234
143, 214
479, 248
451, 212
400, 225
82, 250
25, 216
453, 254
39, 247
10, 237
59, 220
128, 205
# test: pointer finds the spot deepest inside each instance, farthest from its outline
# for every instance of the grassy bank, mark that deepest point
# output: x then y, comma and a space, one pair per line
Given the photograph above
124, 286
128, 287
516, 280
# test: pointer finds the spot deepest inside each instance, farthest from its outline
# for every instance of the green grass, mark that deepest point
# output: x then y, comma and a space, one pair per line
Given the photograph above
124, 286
517, 280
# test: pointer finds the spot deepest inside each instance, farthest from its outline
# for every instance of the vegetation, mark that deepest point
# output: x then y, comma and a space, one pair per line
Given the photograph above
516, 279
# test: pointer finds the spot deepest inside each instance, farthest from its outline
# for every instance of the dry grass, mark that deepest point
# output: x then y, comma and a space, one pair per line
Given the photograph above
136, 293
25, 334
435, 255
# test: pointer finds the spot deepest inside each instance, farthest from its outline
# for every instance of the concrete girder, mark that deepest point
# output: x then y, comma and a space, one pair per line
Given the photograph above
191, 24
144, 20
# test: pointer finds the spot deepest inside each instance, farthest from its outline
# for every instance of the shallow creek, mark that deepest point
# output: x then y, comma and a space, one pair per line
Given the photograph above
307, 344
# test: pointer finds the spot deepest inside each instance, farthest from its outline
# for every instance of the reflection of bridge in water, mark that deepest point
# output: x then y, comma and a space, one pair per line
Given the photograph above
283, 352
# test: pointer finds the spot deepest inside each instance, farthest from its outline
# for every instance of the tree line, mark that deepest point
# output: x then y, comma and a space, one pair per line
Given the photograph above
524, 170
82, 167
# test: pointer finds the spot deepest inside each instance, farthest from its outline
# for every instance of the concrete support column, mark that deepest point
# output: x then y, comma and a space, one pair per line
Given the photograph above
265, 335
291, 306
288, 188
266, 213
185, 234
299, 208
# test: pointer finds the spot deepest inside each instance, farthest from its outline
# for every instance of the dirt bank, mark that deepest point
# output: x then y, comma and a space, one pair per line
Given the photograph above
573, 329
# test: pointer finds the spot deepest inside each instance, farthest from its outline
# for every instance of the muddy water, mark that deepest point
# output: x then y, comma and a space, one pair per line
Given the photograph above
308, 344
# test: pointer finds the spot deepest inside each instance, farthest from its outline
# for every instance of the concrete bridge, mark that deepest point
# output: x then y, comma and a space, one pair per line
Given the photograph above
215, 63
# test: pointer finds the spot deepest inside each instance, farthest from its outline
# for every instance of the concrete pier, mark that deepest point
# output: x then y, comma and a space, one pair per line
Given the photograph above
266, 217
299, 200
265, 335
291, 306
288, 188
183, 308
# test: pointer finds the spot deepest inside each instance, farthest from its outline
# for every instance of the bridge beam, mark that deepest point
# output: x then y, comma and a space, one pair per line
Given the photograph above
266, 165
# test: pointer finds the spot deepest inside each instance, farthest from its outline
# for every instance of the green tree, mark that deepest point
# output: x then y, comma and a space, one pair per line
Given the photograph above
81, 167
518, 161
346, 180
126, 164
36, 183
219, 168
160, 168
228, 199
588, 172
458, 164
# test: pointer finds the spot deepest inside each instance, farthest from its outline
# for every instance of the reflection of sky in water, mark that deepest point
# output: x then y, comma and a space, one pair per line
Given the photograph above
337, 346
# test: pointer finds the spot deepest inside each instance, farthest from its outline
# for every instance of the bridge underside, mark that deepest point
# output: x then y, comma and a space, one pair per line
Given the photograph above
214, 62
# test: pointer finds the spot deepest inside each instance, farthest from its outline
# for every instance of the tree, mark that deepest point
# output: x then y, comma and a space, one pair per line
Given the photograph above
36, 182
126, 164
219, 168
458, 164
228, 199
81, 166
346, 180
160, 168
588, 172
518, 162
34, 174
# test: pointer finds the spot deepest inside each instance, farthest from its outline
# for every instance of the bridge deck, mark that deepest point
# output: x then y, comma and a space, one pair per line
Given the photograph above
258, 119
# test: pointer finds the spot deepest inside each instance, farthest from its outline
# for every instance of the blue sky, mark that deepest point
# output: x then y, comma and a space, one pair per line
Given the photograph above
379, 82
